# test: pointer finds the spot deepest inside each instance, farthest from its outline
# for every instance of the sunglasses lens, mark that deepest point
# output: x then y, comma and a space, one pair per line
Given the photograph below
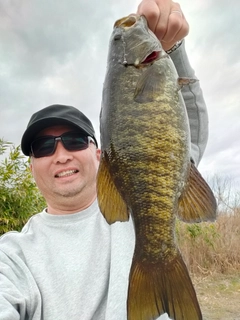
43, 147
74, 141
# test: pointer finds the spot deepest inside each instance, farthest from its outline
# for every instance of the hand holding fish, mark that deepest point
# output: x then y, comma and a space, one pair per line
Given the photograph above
166, 19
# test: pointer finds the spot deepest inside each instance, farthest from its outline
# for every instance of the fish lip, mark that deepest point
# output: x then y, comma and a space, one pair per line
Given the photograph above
127, 22
58, 173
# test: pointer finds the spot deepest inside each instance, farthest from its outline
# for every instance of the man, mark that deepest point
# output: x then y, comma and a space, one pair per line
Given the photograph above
68, 263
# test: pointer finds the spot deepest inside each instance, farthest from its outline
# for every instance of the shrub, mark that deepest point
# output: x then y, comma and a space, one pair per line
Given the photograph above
19, 196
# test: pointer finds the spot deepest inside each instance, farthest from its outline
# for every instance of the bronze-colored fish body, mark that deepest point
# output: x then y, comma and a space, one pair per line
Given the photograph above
145, 170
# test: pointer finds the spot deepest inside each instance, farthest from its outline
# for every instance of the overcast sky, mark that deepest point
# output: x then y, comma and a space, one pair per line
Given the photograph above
55, 52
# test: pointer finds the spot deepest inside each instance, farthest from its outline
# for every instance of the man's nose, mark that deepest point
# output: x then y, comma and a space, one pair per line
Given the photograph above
61, 154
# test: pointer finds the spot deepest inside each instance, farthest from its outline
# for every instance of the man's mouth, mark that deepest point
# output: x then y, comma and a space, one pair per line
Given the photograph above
66, 173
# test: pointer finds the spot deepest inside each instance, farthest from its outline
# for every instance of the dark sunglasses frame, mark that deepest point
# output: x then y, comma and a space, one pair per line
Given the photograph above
71, 140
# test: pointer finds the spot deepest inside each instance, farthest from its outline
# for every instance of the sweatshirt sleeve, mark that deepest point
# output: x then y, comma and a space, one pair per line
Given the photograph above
17, 292
12, 302
195, 104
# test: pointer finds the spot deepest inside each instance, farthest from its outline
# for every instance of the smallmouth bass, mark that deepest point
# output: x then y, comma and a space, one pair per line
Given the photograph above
146, 169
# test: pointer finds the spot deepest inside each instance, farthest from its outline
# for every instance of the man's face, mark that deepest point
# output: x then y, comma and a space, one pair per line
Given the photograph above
66, 175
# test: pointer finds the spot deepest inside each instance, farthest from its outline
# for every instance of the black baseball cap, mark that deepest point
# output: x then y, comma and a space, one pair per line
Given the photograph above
55, 114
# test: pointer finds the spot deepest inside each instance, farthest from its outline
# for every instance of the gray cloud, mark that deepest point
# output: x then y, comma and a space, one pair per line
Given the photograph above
213, 50
56, 51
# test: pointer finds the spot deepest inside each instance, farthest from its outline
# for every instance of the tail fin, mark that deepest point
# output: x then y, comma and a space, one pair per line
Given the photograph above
158, 288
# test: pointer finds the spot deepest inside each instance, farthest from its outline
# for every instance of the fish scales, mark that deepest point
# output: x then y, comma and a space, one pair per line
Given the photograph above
145, 167
140, 157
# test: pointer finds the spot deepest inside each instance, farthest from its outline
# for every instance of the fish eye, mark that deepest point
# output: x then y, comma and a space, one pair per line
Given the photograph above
117, 37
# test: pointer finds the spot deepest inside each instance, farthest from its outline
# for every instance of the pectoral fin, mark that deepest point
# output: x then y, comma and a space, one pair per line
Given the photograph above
149, 83
197, 203
110, 201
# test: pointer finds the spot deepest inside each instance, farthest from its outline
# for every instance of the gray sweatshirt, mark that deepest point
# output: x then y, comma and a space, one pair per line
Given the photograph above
76, 266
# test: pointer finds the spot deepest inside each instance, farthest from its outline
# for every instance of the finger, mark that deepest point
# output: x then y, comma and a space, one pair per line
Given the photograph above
174, 39
165, 19
175, 24
150, 10
177, 28
163, 16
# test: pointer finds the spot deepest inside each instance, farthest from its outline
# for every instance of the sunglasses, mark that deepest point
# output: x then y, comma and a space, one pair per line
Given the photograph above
72, 141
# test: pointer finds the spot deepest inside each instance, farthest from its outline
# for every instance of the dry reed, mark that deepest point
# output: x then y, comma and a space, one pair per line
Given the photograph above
211, 247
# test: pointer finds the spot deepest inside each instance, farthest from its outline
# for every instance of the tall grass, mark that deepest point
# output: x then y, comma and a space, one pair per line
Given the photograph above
211, 247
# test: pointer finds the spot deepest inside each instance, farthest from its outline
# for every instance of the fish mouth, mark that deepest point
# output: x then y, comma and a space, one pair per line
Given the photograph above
127, 22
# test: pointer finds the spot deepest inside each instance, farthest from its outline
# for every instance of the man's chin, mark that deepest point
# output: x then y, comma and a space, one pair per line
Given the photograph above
67, 192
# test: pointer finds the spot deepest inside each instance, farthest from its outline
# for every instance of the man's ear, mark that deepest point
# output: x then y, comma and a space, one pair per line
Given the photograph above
30, 165
98, 151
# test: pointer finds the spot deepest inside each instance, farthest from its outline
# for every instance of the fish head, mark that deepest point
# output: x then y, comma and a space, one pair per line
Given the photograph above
133, 44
